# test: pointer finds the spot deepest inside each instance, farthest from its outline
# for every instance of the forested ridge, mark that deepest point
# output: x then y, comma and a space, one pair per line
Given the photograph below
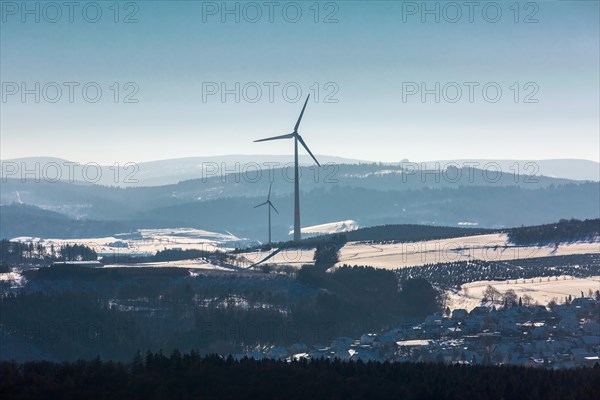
562, 231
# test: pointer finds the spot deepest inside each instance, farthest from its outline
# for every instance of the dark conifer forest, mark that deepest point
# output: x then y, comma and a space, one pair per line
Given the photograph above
190, 376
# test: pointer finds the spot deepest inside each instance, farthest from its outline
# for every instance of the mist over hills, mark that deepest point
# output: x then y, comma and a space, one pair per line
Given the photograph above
493, 207
370, 194
25, 220
153, 173
576, 169
171, 171
85, 200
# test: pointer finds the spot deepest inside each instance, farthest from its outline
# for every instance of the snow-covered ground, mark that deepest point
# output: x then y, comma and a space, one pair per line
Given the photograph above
293, 257
493, 247
542, 290
329, 228
15, 279
149, 241
189, 264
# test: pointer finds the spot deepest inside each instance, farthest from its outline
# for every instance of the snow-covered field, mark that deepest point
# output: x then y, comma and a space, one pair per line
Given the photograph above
329, 228
294, 257
494, 247
149, 241
542, 290
189, 264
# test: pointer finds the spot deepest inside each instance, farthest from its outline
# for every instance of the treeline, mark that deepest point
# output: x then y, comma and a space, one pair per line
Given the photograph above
454, 274
77, 252
571, 230
187, 376
164, 255
16, 253
412, 233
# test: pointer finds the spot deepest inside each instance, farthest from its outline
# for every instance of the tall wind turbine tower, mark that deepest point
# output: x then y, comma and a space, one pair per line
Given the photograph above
297, 138
269, 205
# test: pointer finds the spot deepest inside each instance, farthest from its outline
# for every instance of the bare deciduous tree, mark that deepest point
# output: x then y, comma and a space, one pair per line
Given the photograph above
491, 294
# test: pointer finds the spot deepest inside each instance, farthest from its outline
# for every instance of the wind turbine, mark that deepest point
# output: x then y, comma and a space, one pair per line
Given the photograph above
269, 205
297, 138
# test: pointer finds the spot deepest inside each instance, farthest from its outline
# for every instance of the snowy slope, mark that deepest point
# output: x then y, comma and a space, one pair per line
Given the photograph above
328, 228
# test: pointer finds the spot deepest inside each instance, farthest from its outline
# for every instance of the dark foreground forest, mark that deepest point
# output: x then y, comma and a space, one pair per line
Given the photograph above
191, 376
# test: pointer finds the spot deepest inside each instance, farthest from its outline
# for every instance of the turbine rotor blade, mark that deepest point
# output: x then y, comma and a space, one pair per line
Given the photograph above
301, 114
269, 196
261, 204
271, 204
307, 149
288, 136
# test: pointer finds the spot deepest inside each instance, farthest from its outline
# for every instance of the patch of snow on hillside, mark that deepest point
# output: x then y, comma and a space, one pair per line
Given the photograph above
381, 172
149, 241
329, 228
15, 279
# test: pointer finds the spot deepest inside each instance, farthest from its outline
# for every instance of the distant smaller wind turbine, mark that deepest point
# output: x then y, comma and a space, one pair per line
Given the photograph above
269, 205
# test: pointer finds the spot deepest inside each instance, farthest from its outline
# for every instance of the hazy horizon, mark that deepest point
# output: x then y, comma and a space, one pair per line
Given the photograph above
290, 155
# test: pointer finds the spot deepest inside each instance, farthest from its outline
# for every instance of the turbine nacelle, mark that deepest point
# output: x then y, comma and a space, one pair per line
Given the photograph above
294, 135
268, 202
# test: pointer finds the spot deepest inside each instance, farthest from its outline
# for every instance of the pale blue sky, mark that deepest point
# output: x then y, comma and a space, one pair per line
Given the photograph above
368, 54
